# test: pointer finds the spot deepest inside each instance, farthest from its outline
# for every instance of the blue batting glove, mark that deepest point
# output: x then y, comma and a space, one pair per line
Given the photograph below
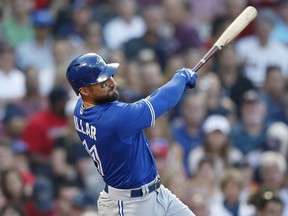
190, 75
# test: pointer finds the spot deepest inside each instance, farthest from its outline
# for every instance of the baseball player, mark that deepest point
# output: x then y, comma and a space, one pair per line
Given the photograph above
112, 133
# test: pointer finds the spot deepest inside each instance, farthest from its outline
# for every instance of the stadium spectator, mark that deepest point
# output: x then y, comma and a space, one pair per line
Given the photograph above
37, 52
248, 173
42, 201
187, 131
249, 132
69, 160
266, 202
39, 47
258, 51
65, 192
204, 181
12, 209
82, 202
131, 87
280, 30
62, 52
216, 144
233, 8
154, 38
184, 35
32, 101
217, 103
6, 155
276, 140
43, 128
13, 187
17, 26
151, 77
263, 3
233, 83
17, 112
12, 80
144, 3
272, 169
93, 40
273, 93
168, 156
125, 26
278, 131
71, 22
198, 203
203, 13
232, 183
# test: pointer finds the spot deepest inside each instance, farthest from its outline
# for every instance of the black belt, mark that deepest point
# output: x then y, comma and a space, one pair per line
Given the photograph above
138, 192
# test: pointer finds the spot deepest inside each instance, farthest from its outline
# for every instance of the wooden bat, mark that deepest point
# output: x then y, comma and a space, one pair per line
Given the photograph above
231, 32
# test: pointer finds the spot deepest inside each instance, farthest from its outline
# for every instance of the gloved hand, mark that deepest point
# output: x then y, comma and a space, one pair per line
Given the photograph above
190, 75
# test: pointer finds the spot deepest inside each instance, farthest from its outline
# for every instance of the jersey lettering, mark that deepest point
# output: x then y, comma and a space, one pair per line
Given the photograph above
89, 130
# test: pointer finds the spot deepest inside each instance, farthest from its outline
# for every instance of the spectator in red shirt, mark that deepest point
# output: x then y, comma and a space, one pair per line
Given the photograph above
43, 128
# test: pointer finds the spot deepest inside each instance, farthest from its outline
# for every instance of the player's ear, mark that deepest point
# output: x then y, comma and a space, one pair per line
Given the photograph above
84, 91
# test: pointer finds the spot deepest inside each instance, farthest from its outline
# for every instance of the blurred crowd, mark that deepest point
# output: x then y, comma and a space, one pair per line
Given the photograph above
222, 150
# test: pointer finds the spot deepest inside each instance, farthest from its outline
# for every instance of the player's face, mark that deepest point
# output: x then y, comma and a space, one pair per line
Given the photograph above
105, 92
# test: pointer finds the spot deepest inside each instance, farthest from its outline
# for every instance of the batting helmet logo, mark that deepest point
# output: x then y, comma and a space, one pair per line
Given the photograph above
89, 69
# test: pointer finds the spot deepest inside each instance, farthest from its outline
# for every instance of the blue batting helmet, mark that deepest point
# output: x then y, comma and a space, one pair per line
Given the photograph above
89, 69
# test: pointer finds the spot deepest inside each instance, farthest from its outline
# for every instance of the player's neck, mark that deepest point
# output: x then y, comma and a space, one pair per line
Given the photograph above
87, 104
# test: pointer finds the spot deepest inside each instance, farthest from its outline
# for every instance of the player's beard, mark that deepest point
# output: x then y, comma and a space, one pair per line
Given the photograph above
111, 96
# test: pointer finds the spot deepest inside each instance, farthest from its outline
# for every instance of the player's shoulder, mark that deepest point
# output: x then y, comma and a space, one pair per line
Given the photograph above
119, 104
130, 108
127, 105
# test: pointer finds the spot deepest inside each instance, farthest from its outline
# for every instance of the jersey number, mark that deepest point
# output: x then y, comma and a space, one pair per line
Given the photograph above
93, 153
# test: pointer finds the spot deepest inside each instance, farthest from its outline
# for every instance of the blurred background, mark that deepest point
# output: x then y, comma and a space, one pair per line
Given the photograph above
222, 150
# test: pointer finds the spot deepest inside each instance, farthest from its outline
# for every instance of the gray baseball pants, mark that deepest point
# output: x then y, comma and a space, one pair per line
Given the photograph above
157, 203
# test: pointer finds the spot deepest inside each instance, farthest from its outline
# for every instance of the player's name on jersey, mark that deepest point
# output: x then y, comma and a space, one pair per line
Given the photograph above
85, 128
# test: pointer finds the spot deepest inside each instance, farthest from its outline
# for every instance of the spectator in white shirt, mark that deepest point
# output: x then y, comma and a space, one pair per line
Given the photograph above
125, 26
232, 183
258, 51
216, 144
12, 81
37, 52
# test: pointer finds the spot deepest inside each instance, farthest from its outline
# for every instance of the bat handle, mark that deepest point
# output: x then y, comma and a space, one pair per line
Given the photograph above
206, 57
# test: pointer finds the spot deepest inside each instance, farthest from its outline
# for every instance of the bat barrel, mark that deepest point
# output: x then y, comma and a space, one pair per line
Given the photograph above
229, 34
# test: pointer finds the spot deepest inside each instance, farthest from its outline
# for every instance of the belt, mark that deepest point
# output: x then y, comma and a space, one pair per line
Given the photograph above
139, 192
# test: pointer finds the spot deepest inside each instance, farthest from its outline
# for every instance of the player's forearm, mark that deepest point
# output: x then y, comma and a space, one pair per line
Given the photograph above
167, 96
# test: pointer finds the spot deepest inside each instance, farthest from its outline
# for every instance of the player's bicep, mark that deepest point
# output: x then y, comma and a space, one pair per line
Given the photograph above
136, 116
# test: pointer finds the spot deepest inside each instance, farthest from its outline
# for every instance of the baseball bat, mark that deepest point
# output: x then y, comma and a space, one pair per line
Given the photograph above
230, 33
